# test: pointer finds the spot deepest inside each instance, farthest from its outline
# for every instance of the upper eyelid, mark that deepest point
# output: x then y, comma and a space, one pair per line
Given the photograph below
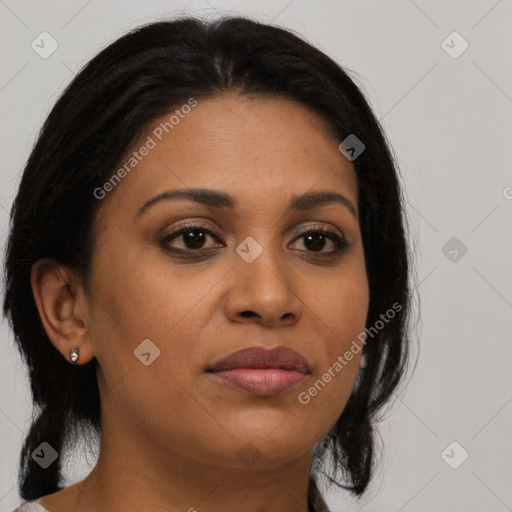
190, 226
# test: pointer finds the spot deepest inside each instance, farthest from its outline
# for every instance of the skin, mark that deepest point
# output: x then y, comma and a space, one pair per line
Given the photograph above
170, 431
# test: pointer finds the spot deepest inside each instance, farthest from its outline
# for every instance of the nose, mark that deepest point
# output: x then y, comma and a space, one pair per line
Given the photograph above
265, 291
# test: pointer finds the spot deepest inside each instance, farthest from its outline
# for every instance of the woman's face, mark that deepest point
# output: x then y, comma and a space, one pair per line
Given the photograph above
163, 309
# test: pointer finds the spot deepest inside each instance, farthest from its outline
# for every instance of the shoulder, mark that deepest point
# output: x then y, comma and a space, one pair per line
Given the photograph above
30, 506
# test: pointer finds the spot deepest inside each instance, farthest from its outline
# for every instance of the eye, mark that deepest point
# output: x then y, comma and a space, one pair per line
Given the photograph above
192, 236
316, 239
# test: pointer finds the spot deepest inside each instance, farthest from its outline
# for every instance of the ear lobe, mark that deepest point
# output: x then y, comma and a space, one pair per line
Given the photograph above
62, 308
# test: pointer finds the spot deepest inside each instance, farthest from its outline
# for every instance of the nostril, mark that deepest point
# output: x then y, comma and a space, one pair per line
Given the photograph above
247, 313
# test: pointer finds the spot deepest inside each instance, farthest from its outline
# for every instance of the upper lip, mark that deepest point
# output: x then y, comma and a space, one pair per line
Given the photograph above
260, 357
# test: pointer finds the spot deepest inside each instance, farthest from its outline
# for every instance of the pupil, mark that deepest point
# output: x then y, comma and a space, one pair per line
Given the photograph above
196, 240
317, 239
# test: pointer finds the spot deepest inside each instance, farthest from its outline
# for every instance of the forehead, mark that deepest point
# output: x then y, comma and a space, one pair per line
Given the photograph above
260, 149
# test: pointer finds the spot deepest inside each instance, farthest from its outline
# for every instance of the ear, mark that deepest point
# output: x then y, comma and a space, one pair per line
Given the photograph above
62, 306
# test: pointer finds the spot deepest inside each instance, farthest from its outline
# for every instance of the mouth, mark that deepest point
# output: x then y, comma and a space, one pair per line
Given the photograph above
261, 371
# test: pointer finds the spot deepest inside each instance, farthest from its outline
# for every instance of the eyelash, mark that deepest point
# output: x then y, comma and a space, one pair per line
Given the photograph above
339, 241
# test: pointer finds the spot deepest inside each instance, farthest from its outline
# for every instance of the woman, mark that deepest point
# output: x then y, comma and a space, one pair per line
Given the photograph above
207, 273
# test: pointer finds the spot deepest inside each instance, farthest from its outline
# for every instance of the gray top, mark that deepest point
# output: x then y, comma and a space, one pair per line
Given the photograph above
30, 506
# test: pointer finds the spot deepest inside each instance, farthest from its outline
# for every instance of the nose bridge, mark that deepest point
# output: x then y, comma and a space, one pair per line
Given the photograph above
263, 282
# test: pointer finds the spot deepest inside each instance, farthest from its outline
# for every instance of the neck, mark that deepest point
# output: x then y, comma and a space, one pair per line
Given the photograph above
135, 473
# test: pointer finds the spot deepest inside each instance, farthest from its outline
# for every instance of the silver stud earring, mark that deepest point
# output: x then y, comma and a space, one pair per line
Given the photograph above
73, 355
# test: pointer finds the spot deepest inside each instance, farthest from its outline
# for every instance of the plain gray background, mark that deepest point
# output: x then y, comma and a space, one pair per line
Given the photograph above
448, 117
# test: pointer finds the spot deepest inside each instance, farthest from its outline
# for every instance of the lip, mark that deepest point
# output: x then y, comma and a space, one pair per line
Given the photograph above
261, 371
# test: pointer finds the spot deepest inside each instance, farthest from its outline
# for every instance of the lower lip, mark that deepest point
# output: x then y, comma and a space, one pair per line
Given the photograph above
261, 381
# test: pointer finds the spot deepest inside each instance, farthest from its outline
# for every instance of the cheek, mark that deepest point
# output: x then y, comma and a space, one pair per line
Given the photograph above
341, 310
343, 307
135, 302
145, 296
142, 299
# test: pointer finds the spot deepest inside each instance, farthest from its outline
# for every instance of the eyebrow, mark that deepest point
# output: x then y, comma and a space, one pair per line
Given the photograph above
218, 199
